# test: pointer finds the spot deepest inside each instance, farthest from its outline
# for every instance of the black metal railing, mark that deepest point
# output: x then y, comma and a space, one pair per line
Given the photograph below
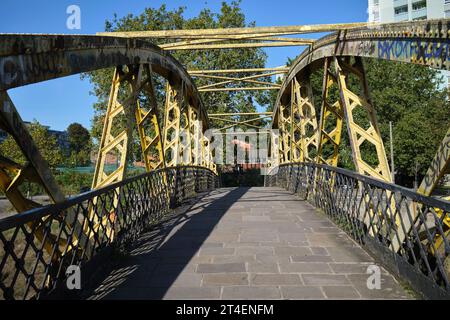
407, 231
37, 246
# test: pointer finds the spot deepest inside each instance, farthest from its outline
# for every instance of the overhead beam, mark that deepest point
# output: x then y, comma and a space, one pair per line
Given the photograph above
246, 123
241, 45
261, 131
241, 114
195, 33
207, 76
248, 79
263, 37
241, 89
255, 70
240, 122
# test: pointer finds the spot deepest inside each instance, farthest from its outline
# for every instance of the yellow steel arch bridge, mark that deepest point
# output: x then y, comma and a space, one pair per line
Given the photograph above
408, 230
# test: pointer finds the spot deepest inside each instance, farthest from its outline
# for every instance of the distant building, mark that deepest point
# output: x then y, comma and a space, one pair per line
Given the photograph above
61, 136
388, 11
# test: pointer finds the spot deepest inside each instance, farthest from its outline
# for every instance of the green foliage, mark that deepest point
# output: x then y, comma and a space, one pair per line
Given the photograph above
248, 178
80, 145
45, 142
412, 98
230, 15
73, 182
78, 137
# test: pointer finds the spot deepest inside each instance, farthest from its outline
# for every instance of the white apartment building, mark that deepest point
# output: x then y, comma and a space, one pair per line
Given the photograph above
386, 11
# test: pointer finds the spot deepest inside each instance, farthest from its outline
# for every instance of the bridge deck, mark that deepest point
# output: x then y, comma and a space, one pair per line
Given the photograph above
258, 243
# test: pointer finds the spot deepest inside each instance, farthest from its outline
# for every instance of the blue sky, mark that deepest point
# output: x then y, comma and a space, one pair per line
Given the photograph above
59, 102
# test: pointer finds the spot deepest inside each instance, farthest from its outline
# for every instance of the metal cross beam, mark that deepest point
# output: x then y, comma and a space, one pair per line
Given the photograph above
248, 79
241, 45
211, 39
236, 123
211, 33
240, 89
191, 44
241, 114
199, 73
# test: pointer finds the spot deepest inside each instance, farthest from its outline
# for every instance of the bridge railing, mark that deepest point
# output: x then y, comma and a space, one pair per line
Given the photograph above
407, 231
33, 266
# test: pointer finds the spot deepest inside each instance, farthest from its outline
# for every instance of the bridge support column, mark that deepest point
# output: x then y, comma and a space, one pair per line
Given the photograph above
185, 142
195, 132
364, 135
304, 127
296, 138
362, 124
115, 141
172, 123
115, 138
284, 122
148, 125
331, 120
438, 168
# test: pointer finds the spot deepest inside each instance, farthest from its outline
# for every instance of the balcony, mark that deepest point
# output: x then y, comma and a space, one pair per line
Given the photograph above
401, 17
421, 13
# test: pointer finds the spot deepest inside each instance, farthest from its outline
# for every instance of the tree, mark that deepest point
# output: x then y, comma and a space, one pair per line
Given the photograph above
79, 145
413, 98
45, 142
78, 137
230, 15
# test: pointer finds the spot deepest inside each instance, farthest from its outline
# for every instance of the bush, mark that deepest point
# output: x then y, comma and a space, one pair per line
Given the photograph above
73, 182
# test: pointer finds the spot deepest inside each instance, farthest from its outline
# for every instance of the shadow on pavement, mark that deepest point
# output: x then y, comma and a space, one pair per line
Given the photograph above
160, 255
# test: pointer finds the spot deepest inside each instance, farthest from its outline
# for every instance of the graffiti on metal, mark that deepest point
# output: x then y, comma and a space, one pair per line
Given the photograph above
415, 50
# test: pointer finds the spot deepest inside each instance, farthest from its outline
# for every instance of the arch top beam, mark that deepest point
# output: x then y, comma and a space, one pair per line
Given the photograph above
27, 59
419, 42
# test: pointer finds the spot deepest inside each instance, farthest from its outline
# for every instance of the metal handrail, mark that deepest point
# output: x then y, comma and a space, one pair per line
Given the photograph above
407, 232
33, 267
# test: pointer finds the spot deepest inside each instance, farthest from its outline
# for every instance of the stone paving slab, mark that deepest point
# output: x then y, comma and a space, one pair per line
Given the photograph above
246, 243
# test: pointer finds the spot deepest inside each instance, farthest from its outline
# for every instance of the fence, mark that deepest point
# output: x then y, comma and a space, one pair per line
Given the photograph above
37, 246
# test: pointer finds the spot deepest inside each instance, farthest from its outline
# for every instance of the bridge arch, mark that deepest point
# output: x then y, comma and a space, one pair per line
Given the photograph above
93, 221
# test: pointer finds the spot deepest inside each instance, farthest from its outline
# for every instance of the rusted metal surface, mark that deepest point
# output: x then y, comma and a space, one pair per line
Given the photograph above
212, 33
27, 59
419, 42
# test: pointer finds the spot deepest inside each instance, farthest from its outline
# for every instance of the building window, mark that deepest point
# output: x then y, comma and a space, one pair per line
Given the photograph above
419, 5
401, 10
447, 12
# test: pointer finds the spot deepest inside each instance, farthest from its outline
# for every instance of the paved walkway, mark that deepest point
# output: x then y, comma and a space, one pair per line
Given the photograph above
258, 243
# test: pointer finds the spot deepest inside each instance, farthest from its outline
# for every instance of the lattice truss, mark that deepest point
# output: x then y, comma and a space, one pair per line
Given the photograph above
304, 129
284, 123
117, 129
172, 123
366, 131
183, 129
331, 120
132, 99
